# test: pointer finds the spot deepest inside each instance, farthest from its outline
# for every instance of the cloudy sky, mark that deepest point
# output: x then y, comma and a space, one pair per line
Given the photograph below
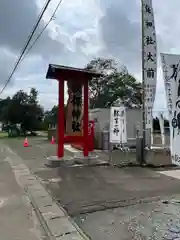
81, 30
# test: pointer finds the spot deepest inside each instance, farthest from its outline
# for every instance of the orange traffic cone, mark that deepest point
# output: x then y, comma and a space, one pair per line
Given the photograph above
26, 144
52, 140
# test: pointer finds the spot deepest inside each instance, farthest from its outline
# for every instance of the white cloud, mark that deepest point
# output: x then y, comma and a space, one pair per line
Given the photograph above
83, 30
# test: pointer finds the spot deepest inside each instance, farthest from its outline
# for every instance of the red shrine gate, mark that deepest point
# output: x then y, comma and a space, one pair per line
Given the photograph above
78, 80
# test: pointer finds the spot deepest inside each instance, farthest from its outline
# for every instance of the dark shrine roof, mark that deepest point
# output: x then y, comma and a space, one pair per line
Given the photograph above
57, 71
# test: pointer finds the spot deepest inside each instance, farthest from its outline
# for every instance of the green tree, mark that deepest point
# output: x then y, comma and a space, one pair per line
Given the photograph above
33, 95
116, 85
4, 105
51, 116
34, 112
22, 108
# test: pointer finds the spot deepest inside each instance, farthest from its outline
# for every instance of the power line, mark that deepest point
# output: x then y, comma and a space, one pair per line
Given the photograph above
35, 24
40, 34
26, 45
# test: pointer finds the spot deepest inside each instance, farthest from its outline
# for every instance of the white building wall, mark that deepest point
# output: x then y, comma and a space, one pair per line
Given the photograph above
134, 119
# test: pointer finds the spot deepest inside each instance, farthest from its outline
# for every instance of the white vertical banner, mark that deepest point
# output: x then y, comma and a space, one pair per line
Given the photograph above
150, 59
115, 125
123, 130
118, 131
161, 123
171, 74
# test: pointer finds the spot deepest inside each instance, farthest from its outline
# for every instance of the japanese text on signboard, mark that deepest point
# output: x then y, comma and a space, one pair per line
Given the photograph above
118, 125
115, 125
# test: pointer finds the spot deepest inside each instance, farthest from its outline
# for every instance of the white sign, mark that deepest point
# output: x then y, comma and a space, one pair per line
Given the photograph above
118, 132
123, 130
150, 59
115, 125
171, 73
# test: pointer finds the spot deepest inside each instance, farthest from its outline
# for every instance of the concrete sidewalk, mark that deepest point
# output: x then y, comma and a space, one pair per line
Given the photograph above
22, 192
17, 219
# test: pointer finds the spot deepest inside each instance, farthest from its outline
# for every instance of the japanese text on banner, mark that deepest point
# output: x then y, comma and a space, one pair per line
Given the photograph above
171, 74
150, 59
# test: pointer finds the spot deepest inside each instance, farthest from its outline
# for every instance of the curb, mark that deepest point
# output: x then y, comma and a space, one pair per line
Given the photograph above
38, 214
54, 220
160, 166
75, 235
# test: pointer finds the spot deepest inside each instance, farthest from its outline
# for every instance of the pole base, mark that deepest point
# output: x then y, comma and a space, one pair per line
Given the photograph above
91, 160
55, 162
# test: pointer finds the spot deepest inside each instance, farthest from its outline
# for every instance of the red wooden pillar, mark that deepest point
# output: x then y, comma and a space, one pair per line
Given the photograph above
86, 119
60, 151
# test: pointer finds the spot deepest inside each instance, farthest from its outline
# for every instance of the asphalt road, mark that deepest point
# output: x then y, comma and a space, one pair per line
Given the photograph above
107, 202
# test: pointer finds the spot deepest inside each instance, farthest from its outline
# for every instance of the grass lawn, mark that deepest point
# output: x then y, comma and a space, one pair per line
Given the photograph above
3, 134
40, 134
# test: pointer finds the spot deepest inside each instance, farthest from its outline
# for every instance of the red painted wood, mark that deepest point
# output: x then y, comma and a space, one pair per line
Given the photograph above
85, 120
60, 150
